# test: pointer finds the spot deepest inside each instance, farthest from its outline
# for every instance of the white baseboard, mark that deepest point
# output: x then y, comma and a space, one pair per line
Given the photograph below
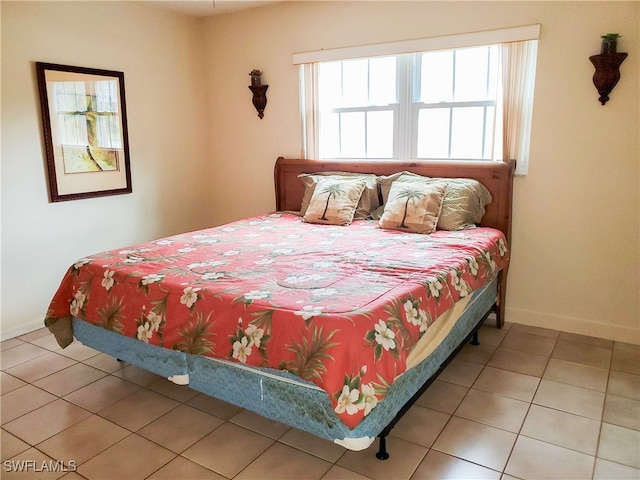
25, 327
574, 325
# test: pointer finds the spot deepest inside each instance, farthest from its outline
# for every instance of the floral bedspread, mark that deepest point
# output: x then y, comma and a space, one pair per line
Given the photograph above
339, 306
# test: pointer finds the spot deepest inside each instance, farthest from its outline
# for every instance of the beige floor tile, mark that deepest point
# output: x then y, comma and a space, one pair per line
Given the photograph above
529, 343
542, 332
626, 360
281, 461
137, 375
569, 398
12, 342
214, 406
259, 424
312, 444
443, 396
622, 411
11, 445
46, 421
104, 362
23, 400
562, 429
620, 445
490, 335
581, 353
139, 409
624, 384
181, 468
70, 379
578, 374
40, 332
40, 367
494, 410
420, 425
102, 393
461, 373
132, 458
440, 466
403, 461
595, 341
181, 393
48, 341
509, 384
477, 443
519, 362
533, 459
476, 353
180, 428
20, 354
78, 351
626, 347
228, 450
340, 473
606, 470
9, 383
84, 440
28, 466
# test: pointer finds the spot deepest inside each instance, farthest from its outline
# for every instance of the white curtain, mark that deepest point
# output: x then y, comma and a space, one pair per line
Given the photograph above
518, 79
309, 110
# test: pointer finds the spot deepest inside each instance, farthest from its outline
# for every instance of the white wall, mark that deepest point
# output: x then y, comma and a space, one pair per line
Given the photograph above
576, 260
160, 54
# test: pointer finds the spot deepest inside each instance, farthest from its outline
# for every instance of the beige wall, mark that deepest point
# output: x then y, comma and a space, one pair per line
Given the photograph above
160, 54
576, 235
200, 155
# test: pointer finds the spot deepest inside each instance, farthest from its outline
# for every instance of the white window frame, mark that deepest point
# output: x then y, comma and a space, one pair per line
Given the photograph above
516, 132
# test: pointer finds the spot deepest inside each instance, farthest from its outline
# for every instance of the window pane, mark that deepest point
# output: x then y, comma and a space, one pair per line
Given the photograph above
355, 83
467, 132
106, 96
380, 134
382, 81
330, 80
352, 135
433, 133
436, 77
488, 134
330, 135
471, 74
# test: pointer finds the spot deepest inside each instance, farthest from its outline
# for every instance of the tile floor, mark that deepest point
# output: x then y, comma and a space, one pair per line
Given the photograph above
526, 403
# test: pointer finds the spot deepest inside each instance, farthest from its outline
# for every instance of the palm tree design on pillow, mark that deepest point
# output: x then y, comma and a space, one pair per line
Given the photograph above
333, 190
411, 194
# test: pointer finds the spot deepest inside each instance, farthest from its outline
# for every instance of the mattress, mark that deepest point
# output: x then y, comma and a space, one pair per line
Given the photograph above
346, 310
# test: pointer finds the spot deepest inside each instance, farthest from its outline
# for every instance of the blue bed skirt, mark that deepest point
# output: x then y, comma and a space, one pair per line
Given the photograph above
278, 395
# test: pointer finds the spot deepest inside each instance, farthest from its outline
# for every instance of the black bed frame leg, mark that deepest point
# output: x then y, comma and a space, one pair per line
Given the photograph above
474, 339
382, 453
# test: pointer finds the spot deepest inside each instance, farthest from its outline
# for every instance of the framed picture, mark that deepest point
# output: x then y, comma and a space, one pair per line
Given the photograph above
84, 118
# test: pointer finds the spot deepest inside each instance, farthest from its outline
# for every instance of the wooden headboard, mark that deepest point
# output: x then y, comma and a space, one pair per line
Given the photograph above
496, 176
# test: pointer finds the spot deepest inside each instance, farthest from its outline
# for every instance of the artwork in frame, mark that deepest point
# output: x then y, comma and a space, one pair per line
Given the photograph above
85, 131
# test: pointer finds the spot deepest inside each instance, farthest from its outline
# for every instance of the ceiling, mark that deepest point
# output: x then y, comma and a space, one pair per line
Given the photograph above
205, 8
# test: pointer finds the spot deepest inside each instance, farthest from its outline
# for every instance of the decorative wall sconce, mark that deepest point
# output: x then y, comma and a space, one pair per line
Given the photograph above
259, 92
607, 65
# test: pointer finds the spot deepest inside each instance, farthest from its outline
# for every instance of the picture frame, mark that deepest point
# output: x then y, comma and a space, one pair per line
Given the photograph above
86, 139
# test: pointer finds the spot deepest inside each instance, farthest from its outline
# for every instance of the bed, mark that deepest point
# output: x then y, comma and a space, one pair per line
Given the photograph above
333, 329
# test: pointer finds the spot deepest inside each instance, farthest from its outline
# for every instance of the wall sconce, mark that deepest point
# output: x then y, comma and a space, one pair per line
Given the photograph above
259, 92
607, 65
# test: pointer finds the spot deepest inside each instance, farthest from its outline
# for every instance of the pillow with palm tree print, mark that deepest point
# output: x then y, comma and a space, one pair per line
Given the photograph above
368, 201
464, 200
334, 201
413, 207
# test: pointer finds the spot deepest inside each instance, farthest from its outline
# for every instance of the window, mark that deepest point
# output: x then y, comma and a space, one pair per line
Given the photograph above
456, 103
88, 118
